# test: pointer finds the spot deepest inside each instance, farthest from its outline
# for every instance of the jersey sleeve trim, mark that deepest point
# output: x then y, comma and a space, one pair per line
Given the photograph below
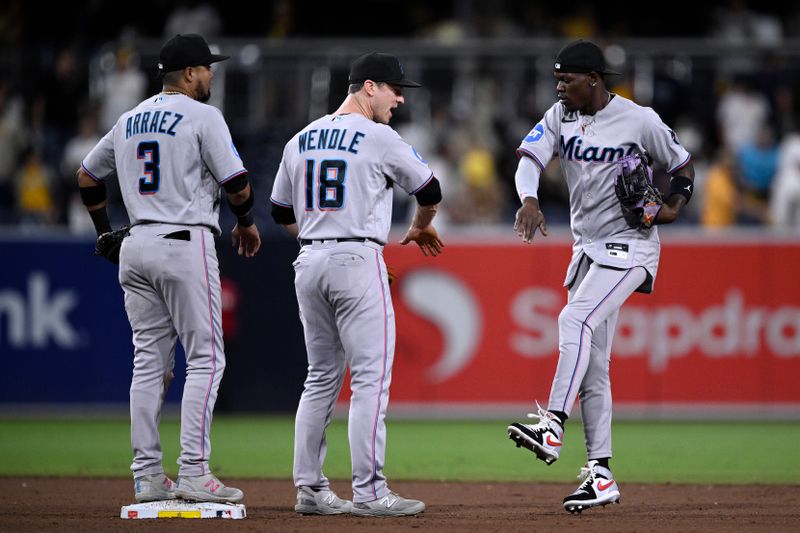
276, 202
89, 173
685, 162
237, 173
427, 181
523, 152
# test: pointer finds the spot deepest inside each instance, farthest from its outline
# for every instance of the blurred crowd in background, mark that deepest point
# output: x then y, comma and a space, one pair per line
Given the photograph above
67, 75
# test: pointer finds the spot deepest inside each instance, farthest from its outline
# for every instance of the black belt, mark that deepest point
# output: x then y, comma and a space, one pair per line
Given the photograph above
306, 242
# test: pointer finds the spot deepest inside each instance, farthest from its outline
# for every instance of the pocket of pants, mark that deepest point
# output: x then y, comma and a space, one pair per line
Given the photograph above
347, 272
346, 259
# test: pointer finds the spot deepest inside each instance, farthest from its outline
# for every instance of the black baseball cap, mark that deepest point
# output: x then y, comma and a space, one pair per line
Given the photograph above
186, 50
582, 57
377, 67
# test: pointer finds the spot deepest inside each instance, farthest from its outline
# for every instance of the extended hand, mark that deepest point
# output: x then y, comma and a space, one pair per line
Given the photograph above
247, 239
426, 238
529, 217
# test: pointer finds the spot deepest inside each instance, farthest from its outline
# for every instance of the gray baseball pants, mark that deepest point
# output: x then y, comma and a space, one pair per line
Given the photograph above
348, 322
172, 291
586, 329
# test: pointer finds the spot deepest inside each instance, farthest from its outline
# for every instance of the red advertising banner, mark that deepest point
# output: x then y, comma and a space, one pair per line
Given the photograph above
478, 325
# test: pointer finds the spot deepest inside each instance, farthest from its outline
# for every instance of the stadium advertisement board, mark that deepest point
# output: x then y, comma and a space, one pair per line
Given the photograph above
479, 324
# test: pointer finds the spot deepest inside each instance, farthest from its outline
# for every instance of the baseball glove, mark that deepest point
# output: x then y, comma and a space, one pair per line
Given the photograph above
640, 201
108, 244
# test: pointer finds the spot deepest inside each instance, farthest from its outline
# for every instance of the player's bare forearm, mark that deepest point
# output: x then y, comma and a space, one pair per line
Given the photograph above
669, 211
529, 217
423, 216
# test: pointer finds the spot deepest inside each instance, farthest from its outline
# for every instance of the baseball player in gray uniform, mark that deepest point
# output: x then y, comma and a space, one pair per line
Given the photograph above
589, 129
333, 191
172, 153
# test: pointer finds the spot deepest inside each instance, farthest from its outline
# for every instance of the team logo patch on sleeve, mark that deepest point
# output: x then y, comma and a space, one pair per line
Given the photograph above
416, 154
235, 151
536, 133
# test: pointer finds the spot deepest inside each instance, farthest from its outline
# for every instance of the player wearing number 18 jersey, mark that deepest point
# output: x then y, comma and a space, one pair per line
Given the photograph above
172, 153
334, 192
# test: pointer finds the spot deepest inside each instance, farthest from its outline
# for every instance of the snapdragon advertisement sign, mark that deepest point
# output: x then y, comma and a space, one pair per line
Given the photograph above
479, 324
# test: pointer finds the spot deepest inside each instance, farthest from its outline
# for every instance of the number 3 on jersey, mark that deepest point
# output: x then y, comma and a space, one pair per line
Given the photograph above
330, 186
148, 150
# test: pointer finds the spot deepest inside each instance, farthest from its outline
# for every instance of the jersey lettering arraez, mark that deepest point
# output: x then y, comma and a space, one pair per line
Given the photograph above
336, 175
588, 148
154, 149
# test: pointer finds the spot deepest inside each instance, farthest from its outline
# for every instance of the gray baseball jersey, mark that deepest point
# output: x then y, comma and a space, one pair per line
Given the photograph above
174, 153
337, 175
588, 148
171, 153
334, 175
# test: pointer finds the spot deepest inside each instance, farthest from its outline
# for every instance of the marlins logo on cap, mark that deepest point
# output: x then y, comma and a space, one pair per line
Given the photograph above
582, 57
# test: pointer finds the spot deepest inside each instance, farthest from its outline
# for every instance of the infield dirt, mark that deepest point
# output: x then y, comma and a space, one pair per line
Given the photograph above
73, 504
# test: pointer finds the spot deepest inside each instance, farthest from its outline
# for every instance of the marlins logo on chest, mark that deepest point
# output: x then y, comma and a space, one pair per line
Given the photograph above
574, 149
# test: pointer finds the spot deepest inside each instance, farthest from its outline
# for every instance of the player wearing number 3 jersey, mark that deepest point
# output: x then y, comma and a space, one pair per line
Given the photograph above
172, 153
334, 191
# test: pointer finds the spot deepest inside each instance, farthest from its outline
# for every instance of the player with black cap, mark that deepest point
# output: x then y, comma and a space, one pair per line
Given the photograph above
172, 154
594, 133
334, 192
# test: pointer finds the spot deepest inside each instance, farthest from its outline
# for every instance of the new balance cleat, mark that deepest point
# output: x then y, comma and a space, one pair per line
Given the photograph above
153, 488
597, 488
390, 505
322, 501
543, 439
206, 488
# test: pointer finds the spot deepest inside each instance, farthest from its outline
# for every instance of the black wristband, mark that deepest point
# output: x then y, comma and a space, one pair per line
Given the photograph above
681, 185
244, 207
100, 220
93, 195
245, 220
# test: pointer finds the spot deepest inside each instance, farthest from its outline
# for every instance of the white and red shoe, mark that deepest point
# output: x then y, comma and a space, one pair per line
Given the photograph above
543, 439
597, 488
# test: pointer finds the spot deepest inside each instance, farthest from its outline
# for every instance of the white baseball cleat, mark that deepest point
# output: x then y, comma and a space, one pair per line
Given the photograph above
153, 488
390, 505
206, 488
597, 488
544, 439
323, 501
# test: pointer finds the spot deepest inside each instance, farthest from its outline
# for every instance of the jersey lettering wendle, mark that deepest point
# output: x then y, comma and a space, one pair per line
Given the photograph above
171, 154
334, 176
588, 148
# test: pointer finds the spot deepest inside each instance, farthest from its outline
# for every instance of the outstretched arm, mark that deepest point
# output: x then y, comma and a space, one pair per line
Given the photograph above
422, 231
529, 216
